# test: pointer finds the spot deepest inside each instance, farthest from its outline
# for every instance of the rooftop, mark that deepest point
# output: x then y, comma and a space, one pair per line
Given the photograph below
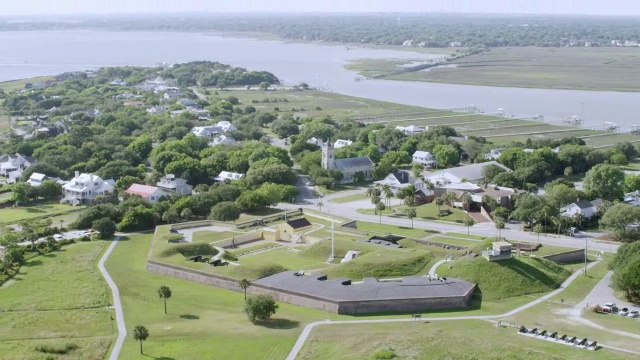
342, 289
355, 162
299, 223
141, 190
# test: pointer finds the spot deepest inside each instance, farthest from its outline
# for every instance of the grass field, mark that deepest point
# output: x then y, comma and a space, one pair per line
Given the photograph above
473, 339
426, 212
10, 215
203, 321
56, 299
9, 86
349, 198
594, 68
369, 227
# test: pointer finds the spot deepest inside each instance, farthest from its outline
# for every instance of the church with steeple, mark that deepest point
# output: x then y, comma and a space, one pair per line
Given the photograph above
348, 167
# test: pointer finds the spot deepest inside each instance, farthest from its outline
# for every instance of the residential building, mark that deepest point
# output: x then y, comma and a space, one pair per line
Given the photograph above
504, 196
83, 189
172, 184
400, 179
494, 154
14, 162
226, 126
150, 193
315, 141
36, 179
189, 104
582, 207
227, 175
155, 110
223, 140
209, 131
348, 167
424, 158
411, 129
173, 95
118, 82
632, 198
470, 173
342, 143
135, 103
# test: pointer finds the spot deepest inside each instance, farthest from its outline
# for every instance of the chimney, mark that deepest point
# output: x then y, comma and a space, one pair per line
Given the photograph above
77, 174
91, 178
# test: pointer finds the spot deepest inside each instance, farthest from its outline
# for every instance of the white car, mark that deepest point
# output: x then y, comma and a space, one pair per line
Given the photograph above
624, 312
633, 314
611, 305
58, 237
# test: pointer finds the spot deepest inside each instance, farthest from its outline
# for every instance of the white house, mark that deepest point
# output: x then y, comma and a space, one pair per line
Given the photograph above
172, 184
349, 167
411, 129
118, 82
342, 143
188, 103
494, 154
424, 158
226, 126
223, 140
36, 179
315, 141
83, 189
227, 175
582, 207
471, 173
206, 131
155, 110
14, 162
401, 179
151, 193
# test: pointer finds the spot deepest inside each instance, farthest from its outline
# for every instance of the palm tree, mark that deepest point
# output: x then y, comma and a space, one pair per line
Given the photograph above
499, 223
439, 202
467, 200
375, 199
140, 333
320, 205
577, 218
386, 189
469, 222
429, 185
537, 228
380, 207
411, 213
244, 284
165, 293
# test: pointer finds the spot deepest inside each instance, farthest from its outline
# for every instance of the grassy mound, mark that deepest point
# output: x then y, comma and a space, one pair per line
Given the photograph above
382, 264
322, 249
191, 249
508, 278
256, 271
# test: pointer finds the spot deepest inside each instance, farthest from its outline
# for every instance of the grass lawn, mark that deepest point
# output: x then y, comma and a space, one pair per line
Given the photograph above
203, 321
454, 241
349, 198
56, 299
470, 339
374, 228
206, 236
9, 86
425, 212
10, 215
245, 250
614, 321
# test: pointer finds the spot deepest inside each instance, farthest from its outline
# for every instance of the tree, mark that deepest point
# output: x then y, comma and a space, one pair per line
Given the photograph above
186, 213
467, 200
140, 333
618, 218
537, 228
264, 86
386, 189
49, 189
528, 207
380, 207
244, 285
468, 221
561, 194
20, 193
284, 128
631, 182
446, 155
375, 199
604, 181
105, 227
260, 308
416, 170
489, 172
439, 202
320, 204
568, 171
411, 213
225, 211
170, 216
499, 223
165, 293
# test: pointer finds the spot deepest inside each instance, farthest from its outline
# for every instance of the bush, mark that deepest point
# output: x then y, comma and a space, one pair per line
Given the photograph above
106, 228
225, 211
260, 308
85, 239
188, 250
383, 354
49, 349
229, 257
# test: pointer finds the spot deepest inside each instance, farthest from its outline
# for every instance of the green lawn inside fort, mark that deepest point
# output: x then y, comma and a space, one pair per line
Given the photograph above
56, 300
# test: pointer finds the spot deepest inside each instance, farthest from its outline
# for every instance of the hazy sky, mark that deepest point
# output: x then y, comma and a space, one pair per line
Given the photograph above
55, 7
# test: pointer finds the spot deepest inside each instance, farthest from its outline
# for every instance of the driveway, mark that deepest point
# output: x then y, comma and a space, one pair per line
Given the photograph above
602, 293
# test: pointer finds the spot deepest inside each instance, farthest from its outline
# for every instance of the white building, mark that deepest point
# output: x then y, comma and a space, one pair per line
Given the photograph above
211, 131
315, 141
83, 189
342, 143
150, 193
401, 179
36, 179
349, 167
223, 140
494, 154
14, 162
424, 158
227, 175
582, 207
172, 184
471, 173
411, 129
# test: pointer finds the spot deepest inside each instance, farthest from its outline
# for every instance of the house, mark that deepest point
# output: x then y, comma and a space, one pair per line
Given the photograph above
632, 198
173, 95
227, 175
582, 207
83, 189
315, 141
424, 158
14, 162
411, 129
292, 230
470, 173
349, 167
155, 110
342, 143
36, 179
400, 179
226, 126
135, 103
189, 104
598, 204
503, 196
150, 193
494, 154
223, 140
501, 251
172, 184
209, 131
118, 82
424, 196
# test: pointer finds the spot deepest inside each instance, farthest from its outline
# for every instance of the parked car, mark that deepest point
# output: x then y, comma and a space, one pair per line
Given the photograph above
633, 314
58, 237
607, 310
624, 312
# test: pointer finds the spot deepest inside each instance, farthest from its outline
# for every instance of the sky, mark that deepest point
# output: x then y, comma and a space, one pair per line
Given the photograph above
74, 7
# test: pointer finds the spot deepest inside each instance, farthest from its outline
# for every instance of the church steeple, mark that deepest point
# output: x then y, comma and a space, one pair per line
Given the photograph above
328, 160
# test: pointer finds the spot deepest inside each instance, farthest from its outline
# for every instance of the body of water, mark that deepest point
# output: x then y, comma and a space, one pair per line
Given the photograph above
29, 54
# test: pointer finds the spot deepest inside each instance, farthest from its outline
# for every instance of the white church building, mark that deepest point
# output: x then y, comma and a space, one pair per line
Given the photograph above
348, 167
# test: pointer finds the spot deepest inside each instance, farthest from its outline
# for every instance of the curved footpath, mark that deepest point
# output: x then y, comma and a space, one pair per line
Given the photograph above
307, 329
122, 330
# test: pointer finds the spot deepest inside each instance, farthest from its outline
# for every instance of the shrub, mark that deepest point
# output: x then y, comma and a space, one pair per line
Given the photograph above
49, 349
85, 238
106, 228
225, 211
383, 354
188, 250
260, 307
229, 257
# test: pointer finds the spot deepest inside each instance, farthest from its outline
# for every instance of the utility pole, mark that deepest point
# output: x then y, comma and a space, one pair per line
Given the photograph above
585, 256
333, 254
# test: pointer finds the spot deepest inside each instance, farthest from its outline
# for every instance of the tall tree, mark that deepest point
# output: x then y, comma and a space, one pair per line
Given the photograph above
244, 285
468, 221
165, 293
380, 207
604, 181
499, 224
140, 333
411, 213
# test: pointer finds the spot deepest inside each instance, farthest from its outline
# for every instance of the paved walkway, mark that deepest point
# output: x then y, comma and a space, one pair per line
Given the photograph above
432, 271
122, 330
